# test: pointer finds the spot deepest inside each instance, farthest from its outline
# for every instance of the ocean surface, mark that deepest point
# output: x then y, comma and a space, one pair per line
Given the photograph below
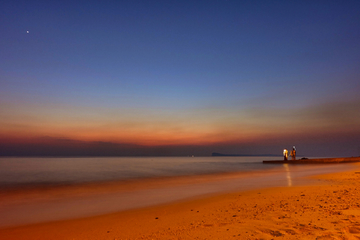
35, 190
25, 172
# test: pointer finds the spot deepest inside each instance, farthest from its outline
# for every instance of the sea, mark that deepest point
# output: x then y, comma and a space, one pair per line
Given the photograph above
41, 189
17, 172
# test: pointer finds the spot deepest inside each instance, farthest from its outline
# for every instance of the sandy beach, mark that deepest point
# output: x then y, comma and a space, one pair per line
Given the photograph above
328, 208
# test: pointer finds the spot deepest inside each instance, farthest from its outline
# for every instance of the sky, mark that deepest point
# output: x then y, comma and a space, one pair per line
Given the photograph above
179, 77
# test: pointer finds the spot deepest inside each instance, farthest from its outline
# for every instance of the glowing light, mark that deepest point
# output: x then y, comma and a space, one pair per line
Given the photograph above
288, 175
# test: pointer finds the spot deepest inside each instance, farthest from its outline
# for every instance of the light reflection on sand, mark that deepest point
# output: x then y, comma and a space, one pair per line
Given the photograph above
50, 205
288, 174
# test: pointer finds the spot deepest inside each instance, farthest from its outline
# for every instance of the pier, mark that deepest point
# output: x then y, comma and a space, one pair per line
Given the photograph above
316, 161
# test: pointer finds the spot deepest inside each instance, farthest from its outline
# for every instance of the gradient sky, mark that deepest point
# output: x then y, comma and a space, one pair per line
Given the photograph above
179, 77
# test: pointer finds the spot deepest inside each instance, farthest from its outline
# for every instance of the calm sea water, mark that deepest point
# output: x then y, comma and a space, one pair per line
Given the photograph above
27, 172
16, 172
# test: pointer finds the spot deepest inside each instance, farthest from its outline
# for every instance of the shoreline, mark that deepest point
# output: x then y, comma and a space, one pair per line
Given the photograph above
263, 213
86, 200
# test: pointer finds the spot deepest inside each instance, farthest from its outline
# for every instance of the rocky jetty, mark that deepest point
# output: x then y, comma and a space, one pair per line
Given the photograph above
316, 161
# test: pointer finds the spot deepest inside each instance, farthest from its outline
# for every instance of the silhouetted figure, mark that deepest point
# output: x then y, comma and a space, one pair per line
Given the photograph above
286, 152
293, 153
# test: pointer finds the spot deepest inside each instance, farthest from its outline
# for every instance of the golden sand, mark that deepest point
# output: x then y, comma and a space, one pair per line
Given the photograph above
329, 209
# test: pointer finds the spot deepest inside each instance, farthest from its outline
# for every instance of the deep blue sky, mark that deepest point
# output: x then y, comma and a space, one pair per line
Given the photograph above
180, 72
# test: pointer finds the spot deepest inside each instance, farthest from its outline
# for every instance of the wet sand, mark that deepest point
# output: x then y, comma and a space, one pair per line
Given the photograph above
328, 208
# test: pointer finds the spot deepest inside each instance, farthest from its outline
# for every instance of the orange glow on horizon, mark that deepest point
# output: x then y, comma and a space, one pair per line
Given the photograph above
166, 127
